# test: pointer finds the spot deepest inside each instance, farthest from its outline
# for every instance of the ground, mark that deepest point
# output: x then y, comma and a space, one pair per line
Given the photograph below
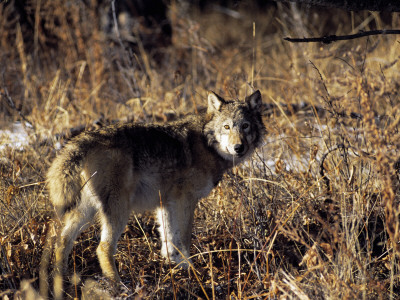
313, 215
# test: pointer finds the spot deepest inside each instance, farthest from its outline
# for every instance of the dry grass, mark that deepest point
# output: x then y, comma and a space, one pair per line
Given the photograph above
315, 214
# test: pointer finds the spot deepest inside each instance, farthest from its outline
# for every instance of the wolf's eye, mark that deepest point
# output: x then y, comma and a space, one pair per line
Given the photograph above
245, 126
226, 127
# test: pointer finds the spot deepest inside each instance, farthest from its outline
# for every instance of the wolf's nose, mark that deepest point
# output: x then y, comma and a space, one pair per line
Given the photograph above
238, 148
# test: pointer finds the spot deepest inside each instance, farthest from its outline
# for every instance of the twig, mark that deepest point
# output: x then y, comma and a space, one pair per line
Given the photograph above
333, 38
6, 269
322, 168
116, 28
365, 57
340, 147
323, 82
12, 105
127, 52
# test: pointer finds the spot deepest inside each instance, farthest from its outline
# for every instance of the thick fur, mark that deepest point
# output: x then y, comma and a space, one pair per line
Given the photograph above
108, 173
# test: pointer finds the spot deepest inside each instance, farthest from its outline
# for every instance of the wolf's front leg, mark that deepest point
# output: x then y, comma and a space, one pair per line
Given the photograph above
176, 220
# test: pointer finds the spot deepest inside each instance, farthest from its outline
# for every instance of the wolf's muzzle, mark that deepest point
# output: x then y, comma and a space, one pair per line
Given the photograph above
239, 148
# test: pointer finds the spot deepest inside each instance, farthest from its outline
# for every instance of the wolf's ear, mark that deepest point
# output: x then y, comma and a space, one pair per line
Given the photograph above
254, 100
214, 102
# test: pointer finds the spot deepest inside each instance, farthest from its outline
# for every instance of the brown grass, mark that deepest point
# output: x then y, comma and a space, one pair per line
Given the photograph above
314, 215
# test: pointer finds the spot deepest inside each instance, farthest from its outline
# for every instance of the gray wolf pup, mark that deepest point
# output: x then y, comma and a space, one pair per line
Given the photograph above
108, 173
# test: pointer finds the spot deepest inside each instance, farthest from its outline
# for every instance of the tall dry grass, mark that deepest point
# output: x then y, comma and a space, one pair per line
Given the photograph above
314, 215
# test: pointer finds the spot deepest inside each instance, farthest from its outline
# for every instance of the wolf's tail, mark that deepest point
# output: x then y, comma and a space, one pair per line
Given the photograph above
64, 180
64, 185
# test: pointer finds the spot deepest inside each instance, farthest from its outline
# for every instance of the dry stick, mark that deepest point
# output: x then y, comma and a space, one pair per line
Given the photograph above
339, 147
254, 54
128, 53
45, 259
75, 277
211, 272
322, 80
144, 234
6, 269
334, 38
12, 105
322, 169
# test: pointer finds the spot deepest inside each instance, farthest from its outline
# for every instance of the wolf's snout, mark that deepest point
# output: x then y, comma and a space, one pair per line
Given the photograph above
239, 148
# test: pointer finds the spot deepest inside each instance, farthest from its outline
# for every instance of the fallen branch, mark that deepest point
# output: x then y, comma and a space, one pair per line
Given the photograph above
333, 38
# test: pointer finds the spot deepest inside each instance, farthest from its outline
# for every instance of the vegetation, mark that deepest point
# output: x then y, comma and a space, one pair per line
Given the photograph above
314, 215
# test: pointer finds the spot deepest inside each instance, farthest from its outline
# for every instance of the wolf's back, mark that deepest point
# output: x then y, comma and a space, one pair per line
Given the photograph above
63, 178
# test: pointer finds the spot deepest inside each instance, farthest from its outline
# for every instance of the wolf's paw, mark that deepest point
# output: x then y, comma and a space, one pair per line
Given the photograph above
181, 260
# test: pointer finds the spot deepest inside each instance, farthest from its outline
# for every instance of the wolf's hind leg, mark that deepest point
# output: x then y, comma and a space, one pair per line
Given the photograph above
72, 224
113, 223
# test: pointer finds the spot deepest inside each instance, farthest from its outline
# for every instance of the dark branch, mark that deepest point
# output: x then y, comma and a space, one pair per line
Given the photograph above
333, 38
12, 105
354, 5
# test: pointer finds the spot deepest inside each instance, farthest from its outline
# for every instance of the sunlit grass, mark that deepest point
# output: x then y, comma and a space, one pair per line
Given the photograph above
275, 227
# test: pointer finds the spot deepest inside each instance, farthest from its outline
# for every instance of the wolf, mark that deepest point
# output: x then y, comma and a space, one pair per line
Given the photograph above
106, 174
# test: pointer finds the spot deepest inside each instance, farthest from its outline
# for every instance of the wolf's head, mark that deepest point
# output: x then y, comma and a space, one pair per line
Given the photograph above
235, 128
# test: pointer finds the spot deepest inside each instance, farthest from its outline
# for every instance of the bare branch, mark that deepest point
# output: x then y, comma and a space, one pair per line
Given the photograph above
12, 105
374, 5
333, 38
